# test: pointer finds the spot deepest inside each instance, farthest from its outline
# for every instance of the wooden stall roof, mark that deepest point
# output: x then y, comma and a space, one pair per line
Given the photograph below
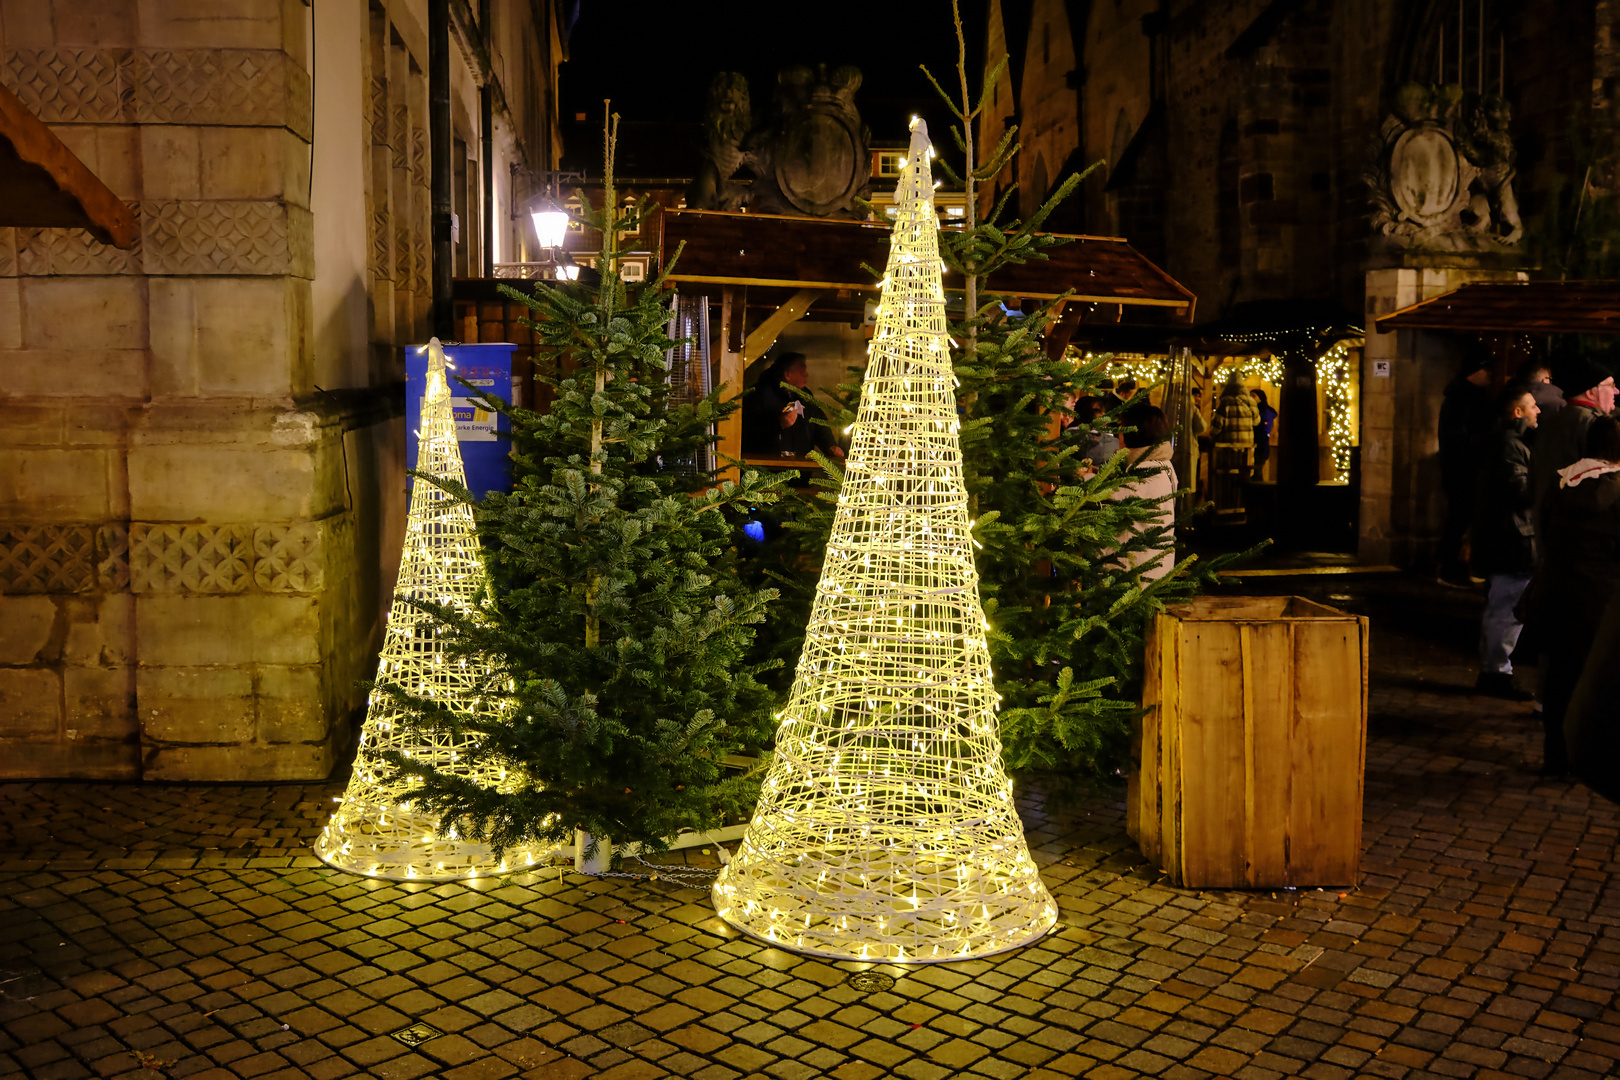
1530, 307
811, 253
44, 185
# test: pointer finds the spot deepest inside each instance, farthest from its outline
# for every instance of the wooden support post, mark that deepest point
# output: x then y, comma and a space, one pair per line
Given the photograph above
765, 334
732, 302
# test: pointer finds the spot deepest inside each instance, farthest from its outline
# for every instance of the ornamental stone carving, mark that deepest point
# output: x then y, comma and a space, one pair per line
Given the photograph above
44, 252
239, 87
73, 86
290, 558
162, 558
1441, 172
226, 236
810, 157
189, 558
47, 558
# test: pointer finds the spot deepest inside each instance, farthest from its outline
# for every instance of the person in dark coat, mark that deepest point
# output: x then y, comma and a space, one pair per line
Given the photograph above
1504, 549
1579, 576
778, 420
1466, 417
1262, 432
1589, 393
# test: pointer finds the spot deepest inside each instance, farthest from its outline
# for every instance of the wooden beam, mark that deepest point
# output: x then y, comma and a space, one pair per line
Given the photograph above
44, 185
765, 334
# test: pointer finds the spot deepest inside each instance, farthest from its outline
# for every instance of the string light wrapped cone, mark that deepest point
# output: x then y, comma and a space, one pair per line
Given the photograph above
374, 830
885, 829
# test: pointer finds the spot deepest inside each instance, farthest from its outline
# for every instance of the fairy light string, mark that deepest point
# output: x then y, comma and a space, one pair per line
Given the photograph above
885, 829
375, 830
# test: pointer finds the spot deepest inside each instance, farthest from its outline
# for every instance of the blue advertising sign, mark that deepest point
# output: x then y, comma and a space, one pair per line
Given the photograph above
485, 449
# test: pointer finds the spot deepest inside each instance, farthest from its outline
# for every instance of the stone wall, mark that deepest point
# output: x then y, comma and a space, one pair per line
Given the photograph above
1250, 184
201, 443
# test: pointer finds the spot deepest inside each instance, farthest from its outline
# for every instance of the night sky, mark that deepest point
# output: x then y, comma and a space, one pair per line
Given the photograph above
656, 64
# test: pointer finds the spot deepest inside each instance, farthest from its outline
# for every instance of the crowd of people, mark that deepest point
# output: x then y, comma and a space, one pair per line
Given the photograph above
1532, 483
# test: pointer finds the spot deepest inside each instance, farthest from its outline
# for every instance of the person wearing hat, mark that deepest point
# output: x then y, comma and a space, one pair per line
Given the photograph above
1466, 419
1588, 394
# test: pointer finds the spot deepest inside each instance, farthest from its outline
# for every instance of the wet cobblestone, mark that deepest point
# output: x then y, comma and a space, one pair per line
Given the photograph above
184, 931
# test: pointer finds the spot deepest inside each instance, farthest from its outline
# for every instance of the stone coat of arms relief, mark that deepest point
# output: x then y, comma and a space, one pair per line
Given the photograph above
1441, 172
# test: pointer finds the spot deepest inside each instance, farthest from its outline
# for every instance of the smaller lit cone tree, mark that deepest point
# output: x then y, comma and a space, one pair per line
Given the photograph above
885, 829
376, 830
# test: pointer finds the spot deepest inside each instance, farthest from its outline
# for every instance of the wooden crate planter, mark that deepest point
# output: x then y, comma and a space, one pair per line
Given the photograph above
1253, 744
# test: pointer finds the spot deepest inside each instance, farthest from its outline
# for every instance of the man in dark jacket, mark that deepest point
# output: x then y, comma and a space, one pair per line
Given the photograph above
1504, 540
1588, 393
1465, 420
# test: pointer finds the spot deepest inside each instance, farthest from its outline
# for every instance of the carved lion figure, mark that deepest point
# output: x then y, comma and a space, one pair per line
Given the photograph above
726, 123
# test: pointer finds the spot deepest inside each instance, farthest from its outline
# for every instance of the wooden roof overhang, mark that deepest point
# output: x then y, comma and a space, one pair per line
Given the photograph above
44, 185
1523, 307
780, 254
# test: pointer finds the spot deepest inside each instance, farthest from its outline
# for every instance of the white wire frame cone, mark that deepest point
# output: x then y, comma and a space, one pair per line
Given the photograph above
374, 830
885, 829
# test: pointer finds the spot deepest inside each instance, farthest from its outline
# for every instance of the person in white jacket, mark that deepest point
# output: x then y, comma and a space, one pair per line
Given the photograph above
1149, 450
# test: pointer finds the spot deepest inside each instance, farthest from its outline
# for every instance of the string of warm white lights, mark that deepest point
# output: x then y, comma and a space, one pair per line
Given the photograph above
1148, 371
1333, 376
374, 830
1267, 369
885, 829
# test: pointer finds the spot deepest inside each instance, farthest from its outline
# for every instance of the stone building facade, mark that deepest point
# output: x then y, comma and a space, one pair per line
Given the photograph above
1235, 138
201, 439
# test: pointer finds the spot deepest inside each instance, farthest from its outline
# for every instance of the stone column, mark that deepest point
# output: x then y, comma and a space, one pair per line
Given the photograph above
1401, 500
179, 572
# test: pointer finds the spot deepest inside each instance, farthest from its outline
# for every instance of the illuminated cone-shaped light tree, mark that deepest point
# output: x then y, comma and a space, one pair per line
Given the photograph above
374, 830
885, 828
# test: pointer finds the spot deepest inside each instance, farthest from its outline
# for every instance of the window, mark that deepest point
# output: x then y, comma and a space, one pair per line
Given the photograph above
890, 162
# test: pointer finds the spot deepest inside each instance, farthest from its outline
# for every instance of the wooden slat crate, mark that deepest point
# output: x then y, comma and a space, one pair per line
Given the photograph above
1253, 744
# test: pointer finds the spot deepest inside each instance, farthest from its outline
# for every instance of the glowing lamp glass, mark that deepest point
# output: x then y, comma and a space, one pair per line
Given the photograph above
550, 226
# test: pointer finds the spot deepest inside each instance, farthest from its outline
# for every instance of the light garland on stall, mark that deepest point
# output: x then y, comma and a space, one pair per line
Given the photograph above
1148, 371
1267, 369
375, 830
1333, 375
885, 829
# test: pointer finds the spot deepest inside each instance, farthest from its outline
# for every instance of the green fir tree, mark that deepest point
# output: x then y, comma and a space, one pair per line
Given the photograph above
1068, 611
619, 626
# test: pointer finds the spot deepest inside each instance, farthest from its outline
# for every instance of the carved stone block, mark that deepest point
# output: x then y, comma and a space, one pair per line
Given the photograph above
290, 558
379, 110
47, 558
419, 156
234, 236
237, 87
190, 558
73, 86
382, 252
49, 252
399, 135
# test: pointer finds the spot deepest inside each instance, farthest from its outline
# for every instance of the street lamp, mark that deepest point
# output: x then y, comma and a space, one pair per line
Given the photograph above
550, 223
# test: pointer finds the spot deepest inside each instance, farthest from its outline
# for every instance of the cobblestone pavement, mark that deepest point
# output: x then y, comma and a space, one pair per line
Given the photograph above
183, 931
